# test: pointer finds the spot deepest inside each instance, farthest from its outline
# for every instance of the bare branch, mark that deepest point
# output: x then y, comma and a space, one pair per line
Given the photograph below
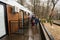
54, 2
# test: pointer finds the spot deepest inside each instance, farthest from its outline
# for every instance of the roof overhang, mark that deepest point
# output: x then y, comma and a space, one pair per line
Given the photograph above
16, 4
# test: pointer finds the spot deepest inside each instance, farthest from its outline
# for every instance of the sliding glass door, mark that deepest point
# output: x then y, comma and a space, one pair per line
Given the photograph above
2, 21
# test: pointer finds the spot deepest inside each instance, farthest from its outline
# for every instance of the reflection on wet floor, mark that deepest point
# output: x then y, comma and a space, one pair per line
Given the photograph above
17, 37
30, 34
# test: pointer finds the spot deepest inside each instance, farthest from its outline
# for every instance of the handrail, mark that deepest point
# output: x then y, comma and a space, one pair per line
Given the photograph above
56, 23
48, 33
43, 31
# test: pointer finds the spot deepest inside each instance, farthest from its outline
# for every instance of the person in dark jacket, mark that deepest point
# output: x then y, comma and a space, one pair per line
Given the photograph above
32, 18
37, 21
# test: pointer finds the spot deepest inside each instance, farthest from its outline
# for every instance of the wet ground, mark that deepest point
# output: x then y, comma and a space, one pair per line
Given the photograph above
32, 33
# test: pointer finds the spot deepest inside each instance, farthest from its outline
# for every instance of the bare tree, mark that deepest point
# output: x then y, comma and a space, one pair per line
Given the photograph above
20, 1
47, 10
54, 2
37, 7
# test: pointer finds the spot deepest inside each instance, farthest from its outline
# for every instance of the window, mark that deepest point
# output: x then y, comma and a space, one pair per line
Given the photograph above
2, 21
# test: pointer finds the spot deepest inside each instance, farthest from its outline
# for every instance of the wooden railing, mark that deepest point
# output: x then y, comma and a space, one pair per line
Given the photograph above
45, 34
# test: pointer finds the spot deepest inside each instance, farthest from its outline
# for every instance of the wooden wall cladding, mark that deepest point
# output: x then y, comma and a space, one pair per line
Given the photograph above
13, 28
11, 16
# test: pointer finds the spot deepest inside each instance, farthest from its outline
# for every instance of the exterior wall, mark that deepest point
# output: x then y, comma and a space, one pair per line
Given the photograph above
13, 17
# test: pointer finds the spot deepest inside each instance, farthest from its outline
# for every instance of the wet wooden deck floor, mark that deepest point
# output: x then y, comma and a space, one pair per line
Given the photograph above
31, 34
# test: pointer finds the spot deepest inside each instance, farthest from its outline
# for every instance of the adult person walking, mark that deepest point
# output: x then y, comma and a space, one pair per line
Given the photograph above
33, 20
37, 21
